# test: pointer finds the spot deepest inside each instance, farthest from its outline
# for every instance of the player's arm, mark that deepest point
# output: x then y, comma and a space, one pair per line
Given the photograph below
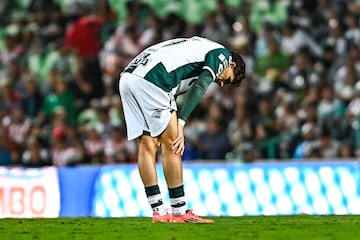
196, 92
216, 61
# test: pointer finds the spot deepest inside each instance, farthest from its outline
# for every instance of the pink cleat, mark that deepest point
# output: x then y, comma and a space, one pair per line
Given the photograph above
189, 217
160, 218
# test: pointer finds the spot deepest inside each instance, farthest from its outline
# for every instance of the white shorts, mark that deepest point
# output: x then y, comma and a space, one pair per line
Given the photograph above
147, 108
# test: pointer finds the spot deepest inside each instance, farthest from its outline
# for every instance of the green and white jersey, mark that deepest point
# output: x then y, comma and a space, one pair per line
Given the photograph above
178, 62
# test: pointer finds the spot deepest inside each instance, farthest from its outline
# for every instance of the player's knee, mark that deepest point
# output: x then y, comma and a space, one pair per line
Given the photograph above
148, 145
167, 140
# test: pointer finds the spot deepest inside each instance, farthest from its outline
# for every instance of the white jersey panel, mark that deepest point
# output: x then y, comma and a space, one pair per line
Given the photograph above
184, 86
186, 50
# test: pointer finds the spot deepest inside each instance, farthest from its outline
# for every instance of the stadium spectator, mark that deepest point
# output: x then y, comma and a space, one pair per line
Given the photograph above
111, 67
104, 118
213, 143
242, 30
242, 45
13, 49
32, 99
130, 44
63, 61
17, 126
324, 147
223, 16
351, 63
266, 116
59, 98
240, 131
287, 123
115, 42
353, 108
330, 111
352, 34
87, 83
293, 39
336, 37
117, 149
14, 75
75, 140
94, 143
9, 97
5, 154
175, 26
273, 59
215, 30
35, 155
346, 151
329, 63
63, 154
261, 11
304, 146
152, 32
83, 36
302, 74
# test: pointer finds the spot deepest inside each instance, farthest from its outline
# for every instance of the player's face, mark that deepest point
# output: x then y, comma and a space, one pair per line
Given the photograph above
226, 77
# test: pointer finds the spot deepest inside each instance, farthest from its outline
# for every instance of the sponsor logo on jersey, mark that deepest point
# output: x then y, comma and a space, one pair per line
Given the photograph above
156, 113
221, 57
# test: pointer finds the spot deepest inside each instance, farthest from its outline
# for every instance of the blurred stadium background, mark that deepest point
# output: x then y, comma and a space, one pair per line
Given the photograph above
286, 142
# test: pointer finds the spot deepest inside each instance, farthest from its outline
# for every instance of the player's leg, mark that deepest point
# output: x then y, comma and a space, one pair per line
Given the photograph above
171, 162
173, 171
147, 147
132, 94
172, 166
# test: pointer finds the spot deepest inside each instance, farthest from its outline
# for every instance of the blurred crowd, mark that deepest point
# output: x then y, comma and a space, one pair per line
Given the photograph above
59, 72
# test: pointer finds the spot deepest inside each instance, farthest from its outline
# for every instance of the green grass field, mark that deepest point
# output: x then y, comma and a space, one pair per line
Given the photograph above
225, 228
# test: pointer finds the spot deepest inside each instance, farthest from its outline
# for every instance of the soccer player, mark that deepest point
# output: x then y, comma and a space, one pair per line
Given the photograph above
148, 87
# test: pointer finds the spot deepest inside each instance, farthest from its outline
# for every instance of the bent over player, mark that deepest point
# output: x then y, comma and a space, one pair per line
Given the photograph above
148, 87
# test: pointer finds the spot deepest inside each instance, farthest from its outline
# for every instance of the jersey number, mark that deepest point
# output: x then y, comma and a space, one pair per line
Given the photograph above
141, 59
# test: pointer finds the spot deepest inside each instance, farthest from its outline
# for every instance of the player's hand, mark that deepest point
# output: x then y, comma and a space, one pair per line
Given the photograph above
178, 145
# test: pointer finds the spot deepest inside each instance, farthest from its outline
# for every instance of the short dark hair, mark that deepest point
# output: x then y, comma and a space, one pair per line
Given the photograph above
239, 69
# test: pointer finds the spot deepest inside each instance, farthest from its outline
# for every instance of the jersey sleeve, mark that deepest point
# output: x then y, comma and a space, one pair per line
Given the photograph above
195, 94
216, 61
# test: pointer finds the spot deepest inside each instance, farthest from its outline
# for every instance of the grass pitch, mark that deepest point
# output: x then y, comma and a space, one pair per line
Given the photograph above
225, 228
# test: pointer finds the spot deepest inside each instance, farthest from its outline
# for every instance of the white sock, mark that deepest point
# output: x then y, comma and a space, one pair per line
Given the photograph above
157, 204
178, 205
